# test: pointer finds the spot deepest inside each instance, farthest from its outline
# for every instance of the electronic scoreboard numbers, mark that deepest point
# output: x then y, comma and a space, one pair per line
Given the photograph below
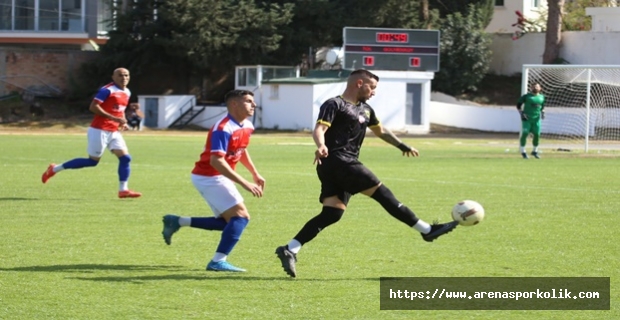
391, 49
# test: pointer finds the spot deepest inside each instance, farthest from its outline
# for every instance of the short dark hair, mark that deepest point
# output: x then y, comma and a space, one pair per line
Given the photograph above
237, 94
366, 73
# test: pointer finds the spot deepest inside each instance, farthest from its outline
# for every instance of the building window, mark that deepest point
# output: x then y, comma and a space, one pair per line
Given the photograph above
42, 15
499, 3
72, 16
6, 18
49, 16
247, 77
24, 15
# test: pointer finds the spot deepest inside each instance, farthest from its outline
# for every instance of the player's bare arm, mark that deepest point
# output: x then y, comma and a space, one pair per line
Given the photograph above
246, 161
319, 139
386, 135
219, 163
96, 108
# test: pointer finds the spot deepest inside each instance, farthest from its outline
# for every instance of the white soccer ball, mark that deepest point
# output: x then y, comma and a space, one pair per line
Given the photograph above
468, 213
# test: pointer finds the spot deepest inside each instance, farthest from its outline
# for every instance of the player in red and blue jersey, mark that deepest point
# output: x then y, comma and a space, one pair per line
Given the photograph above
214, 177
109, 107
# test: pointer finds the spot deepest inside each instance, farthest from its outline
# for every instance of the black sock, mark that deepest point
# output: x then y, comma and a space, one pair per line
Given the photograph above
327, 217
384, 196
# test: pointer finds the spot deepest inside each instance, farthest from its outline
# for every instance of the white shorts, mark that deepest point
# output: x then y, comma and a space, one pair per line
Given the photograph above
99, 140
219, 192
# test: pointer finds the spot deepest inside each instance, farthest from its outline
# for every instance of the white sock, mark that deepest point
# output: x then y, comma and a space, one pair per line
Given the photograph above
535, 149
123, 186
522, 149
294, 246
185, 221
219, 257
422, 227
58, 168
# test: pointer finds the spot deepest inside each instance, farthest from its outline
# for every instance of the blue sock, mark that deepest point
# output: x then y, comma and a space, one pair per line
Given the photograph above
123, 167
211, 223
231, 234
78, 163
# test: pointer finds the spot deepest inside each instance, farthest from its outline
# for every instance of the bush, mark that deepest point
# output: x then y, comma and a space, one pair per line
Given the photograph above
465, 52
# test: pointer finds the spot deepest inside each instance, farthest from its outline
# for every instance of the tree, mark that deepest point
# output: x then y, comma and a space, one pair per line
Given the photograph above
191, 40
553, 35
447, 7
465, 52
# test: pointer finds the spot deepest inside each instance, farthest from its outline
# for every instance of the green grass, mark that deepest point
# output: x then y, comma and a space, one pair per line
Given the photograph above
71, 250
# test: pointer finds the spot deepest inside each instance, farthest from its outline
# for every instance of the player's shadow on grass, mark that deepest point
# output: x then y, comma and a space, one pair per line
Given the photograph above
91, 268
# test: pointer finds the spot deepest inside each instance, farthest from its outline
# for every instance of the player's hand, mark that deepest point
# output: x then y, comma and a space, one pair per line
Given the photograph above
411, 153
255, 189
121, 120
321, 152
542, 115
407, 150
523, 116
124, 127
259, 180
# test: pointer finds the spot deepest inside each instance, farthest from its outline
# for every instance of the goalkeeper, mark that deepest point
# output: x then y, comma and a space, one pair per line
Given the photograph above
533, 112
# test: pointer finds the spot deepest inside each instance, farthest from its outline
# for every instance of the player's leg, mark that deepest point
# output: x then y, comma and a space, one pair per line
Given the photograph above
217, 192
97, 140
230, 217
118, 146
334, 200
525, 132
237, 219
384, 196
536, 129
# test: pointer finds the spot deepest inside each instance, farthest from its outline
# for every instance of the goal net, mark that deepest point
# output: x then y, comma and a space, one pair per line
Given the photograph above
582, 105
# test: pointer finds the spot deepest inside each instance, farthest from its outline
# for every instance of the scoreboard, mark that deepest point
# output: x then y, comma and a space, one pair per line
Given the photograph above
391, 49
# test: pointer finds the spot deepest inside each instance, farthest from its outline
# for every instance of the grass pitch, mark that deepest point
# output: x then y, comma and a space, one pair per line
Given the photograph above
71, 249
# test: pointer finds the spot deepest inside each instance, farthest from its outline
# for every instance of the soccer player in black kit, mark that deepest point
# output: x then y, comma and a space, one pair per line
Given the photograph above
338, 134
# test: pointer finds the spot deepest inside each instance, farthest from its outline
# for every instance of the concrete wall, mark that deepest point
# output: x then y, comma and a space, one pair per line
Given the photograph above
558, 120
578, 47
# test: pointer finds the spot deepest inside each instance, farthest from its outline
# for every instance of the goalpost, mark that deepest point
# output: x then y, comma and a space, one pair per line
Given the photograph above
582, 105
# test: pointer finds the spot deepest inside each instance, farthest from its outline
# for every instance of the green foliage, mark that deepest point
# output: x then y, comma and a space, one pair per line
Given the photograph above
201, 37
449, 7
72, 250
465, 52
575, 18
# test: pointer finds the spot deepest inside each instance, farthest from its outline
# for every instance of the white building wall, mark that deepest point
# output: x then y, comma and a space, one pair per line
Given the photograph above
290, 110
170, 107
578, 47
504, 16
604, 19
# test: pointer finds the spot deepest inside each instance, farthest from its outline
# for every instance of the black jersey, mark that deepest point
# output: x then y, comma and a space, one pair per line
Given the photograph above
347, 127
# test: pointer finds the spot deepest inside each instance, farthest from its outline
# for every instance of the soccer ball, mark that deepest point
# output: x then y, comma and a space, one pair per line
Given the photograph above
468, 213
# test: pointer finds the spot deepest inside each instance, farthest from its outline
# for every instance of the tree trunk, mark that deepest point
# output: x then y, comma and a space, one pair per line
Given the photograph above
424, 14
553, 36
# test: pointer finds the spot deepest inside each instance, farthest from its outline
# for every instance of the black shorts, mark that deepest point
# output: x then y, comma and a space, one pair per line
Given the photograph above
344, 180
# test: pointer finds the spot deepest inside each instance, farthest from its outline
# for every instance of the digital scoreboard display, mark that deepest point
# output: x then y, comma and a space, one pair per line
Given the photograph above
391, 49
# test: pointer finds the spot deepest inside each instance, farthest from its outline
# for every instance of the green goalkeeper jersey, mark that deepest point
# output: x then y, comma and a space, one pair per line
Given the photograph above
533, 105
